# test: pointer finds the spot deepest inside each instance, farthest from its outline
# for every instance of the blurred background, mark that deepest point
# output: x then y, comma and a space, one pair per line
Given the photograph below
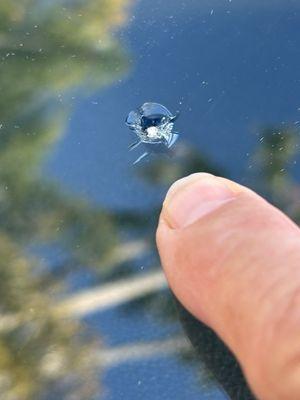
85, 312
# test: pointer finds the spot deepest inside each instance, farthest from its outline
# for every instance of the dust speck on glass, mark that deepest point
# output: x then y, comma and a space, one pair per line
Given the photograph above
153, 125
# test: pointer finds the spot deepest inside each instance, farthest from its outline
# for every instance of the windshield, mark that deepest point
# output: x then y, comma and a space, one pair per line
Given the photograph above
85, 311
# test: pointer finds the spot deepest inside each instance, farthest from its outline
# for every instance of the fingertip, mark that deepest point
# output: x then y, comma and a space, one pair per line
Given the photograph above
193, 197
230, 265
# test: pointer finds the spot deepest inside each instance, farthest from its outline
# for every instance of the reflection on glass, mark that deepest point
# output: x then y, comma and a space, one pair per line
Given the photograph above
46, 352
46, 52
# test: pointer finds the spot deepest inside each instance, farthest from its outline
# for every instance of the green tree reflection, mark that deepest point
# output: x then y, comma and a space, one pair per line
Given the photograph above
47, 49
274, 161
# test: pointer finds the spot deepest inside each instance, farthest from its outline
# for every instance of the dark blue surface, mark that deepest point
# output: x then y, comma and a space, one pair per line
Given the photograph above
229, 74
145, 382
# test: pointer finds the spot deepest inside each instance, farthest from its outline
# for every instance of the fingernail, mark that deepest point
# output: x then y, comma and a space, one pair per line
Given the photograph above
193, 197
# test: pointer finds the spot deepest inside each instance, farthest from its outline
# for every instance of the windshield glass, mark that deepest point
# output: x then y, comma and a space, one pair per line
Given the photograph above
85, 312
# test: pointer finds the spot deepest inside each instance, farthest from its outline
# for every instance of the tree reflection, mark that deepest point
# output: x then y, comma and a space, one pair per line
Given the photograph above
47, 49
274, 161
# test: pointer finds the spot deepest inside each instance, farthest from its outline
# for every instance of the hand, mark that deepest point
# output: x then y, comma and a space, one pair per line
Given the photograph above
233, 260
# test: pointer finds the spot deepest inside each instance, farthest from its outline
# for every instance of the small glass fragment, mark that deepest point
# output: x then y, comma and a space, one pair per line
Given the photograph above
153, 124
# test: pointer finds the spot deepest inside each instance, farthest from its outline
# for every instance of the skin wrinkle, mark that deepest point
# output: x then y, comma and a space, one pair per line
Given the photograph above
291, 308
215, 272
233, 303
249, 277
261, 343
285, 289
282, 326
276, 366
258, 342
292, 366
